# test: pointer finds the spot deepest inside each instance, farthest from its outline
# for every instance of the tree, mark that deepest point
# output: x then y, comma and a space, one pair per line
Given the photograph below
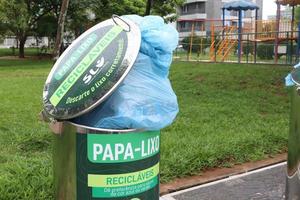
106, 8
21, 17
80, 16
165, 8
46, 26
148, 7
24, 18
60, 28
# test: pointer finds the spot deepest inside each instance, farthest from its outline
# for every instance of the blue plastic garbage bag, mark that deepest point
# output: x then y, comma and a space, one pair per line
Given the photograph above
145, 99
288, 78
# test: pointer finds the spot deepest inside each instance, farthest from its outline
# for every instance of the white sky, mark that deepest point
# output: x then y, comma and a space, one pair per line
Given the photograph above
269, 8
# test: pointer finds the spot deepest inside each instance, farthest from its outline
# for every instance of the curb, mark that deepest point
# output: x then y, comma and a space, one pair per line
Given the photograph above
219, 173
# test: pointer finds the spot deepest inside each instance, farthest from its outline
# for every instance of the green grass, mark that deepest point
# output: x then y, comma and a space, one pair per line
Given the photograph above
28, 52
25, 144
228, 114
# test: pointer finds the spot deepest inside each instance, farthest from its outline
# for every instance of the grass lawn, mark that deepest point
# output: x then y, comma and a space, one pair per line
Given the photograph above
228, 114
28, 52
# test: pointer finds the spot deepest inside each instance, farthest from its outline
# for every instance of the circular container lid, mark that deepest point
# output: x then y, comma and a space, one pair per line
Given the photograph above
296, 76
91, 68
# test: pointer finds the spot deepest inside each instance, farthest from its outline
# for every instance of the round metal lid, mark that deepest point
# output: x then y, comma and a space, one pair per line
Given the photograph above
91, 68
295, 74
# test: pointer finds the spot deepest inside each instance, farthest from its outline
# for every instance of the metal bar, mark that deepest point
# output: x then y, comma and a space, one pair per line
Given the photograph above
277, 34
240, 37
255, 37
223, 22
191, 41
248, 48
298, 42
292, 177
292, 33
287, 49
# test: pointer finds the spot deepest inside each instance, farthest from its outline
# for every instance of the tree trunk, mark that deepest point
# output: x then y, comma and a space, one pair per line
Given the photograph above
60, 28
148, 8
22, 41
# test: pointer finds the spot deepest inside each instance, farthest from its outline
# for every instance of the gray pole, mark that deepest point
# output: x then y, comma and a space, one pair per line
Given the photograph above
255, 43
240, 37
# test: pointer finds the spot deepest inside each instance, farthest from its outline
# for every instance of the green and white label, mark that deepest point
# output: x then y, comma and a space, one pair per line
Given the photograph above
118, 166
119, 185
121, 180
84, 64
110, 148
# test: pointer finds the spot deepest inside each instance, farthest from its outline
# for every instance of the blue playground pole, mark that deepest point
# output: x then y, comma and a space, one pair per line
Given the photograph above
240, 36
298, 43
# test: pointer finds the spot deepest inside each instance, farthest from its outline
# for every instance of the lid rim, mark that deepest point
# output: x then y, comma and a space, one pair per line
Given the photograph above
130, 56
104, 129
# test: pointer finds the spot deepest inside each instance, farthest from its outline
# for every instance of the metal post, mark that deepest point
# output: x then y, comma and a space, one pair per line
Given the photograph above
191, 41
223, 23
248, 48
203, 29
277, 33
148, 7
240, 37
255, 37
288, 49
213, 44
298, 43
292, 33
215, 49
292, 180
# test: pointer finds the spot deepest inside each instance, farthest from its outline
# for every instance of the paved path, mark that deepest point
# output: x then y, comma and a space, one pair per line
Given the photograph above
263, 184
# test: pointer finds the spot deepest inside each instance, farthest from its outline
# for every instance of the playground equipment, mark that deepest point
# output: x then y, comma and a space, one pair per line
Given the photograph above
291, 3
242, 36
240, 6
224, 46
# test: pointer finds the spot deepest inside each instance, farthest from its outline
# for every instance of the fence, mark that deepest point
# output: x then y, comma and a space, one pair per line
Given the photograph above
221, 46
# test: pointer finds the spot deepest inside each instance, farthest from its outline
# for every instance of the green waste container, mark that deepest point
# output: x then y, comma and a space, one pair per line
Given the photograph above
92, 163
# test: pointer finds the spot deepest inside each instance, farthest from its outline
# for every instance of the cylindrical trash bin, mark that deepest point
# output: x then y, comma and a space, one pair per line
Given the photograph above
293, 164
91, 163
94, 163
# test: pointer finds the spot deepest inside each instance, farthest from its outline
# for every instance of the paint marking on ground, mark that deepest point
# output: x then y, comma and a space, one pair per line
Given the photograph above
166, 198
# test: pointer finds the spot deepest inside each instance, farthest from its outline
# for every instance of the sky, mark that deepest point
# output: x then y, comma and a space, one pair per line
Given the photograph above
269, 8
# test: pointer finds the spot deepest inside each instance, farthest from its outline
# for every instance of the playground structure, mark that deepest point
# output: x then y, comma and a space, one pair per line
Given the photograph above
225, 45
230, 36
240, 6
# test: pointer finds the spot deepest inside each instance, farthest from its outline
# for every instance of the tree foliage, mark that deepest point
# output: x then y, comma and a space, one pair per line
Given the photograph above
105, 8
46, 26
166, 8
265, 51
14, 16
21, 17
39, 18
79, 16
199, 43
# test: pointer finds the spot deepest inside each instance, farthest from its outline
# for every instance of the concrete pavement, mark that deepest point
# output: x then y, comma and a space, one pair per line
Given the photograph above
263, 184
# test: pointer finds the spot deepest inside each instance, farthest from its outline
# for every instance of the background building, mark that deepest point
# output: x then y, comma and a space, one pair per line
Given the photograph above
204, 11
285, 14
11, 41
